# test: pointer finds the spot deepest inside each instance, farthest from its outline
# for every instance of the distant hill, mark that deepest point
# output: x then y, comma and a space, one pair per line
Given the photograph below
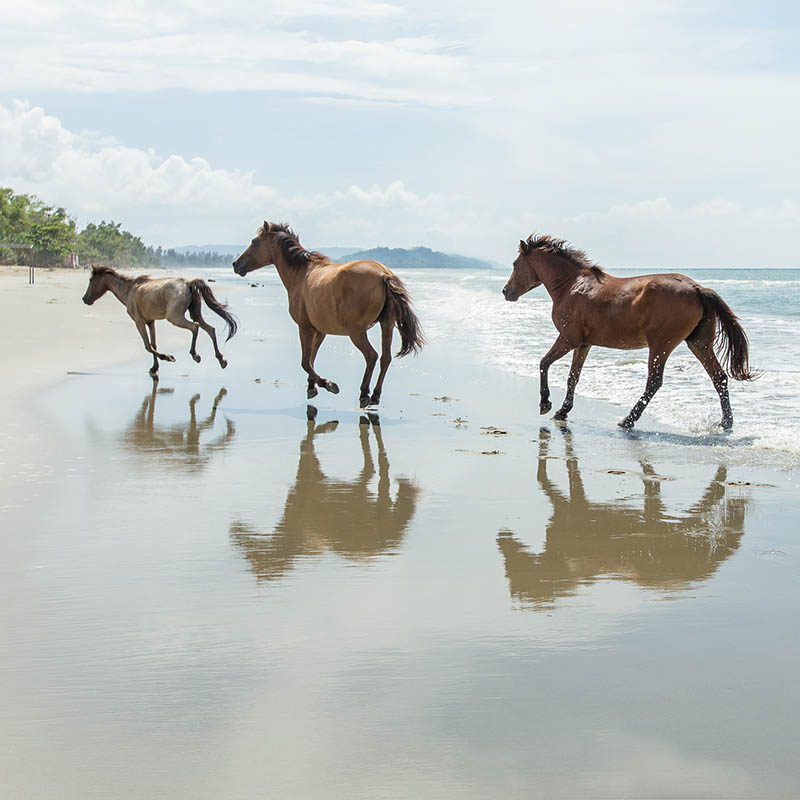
394, 257
417, 258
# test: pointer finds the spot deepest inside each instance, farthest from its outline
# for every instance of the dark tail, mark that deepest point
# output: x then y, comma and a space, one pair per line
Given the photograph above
201, 289
731, 340
399, 302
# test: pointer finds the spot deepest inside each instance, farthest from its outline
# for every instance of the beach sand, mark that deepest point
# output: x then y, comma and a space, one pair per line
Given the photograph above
210, 587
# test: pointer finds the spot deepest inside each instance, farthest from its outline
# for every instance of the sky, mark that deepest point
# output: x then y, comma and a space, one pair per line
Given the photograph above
650, 133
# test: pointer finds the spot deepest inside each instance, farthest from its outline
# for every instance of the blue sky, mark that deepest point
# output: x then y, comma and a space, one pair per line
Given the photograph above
649, 133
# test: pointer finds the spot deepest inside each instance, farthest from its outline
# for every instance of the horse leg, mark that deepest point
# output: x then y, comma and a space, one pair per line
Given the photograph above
578, 357
361, 342
151, 348
310, 341
701, 343
560, 348
655, 377
178, 319
197, 316
387, 331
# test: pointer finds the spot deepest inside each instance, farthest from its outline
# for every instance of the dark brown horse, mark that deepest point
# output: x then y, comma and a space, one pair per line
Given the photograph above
647, 544
591, 307
340, 299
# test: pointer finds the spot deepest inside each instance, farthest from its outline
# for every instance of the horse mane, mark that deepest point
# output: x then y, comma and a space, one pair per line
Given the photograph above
102, 269
559, 247
295, 254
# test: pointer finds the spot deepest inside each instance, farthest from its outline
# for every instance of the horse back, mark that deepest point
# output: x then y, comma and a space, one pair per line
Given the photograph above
343, 298
628, 313
156, 298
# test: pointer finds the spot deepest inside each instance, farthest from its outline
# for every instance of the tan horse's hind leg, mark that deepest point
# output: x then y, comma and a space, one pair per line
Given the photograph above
701, 343
361, 341
197, 315
387, 331
178, 319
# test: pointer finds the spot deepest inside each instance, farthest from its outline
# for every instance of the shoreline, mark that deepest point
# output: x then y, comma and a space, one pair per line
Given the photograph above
210, 563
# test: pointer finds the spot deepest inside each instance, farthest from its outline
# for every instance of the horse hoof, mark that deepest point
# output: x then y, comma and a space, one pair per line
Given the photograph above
625, 424
560, 416
223, 363
726, 425
312, 392
332, 387
169, 358
364, 401
545, 406
196, 357
375, 400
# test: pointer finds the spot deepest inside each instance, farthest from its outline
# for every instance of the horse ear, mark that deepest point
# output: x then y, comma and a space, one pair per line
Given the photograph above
266, 226
522, 245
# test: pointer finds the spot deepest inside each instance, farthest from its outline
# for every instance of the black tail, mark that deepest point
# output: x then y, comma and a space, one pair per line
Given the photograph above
399, 302
201, 289
731, 340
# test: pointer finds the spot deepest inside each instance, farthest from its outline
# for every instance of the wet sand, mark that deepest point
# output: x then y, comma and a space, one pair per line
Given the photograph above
212, 588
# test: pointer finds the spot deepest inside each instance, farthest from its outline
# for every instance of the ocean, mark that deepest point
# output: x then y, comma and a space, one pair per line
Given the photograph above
467, 305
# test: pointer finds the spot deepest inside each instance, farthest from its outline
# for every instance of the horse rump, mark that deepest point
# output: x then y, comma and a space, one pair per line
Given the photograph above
398, 303
200, 289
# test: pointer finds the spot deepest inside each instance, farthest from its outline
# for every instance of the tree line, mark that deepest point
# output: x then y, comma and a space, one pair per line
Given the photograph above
54, 235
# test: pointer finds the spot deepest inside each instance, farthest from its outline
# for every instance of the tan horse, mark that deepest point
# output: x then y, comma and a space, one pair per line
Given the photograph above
148, 299
591, 307
337, 299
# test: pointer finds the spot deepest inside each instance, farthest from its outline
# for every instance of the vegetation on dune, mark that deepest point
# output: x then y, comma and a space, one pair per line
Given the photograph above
54, 235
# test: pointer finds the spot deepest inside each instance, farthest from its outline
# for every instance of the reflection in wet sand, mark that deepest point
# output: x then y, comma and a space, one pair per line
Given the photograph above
179, 440
345, 517
588, 540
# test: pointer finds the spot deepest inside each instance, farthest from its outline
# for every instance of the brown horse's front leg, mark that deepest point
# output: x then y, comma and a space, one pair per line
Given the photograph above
310, 341
578, 358
559, 349
655, 377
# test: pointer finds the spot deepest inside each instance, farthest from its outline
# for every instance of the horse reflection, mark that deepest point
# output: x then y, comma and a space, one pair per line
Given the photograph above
587, 540
179, 441
345, 517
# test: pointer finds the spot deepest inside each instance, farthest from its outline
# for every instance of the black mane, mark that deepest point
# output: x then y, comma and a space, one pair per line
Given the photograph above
559, 247
295, 254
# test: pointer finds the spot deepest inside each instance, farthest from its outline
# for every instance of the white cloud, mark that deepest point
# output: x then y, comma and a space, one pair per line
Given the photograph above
169, 199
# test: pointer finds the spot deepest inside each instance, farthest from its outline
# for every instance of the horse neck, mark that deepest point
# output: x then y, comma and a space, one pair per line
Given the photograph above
292, 277
556, 274
119, 286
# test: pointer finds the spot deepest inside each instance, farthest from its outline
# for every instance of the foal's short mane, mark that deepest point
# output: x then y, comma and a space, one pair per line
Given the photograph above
102, 269
559, 247
294, 253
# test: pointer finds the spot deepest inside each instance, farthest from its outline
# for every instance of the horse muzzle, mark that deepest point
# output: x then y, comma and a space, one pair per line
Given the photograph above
509, 294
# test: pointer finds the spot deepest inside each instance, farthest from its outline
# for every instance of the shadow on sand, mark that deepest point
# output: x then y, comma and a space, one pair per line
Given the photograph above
178, 442
323, 515
587, 540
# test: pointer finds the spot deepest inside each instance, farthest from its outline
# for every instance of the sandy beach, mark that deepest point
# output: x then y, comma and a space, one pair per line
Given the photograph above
210, 587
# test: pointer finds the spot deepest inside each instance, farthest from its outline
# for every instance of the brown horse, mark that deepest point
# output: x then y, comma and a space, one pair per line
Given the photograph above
352, 518
591, 307
148, 299
648, 544
339, 299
